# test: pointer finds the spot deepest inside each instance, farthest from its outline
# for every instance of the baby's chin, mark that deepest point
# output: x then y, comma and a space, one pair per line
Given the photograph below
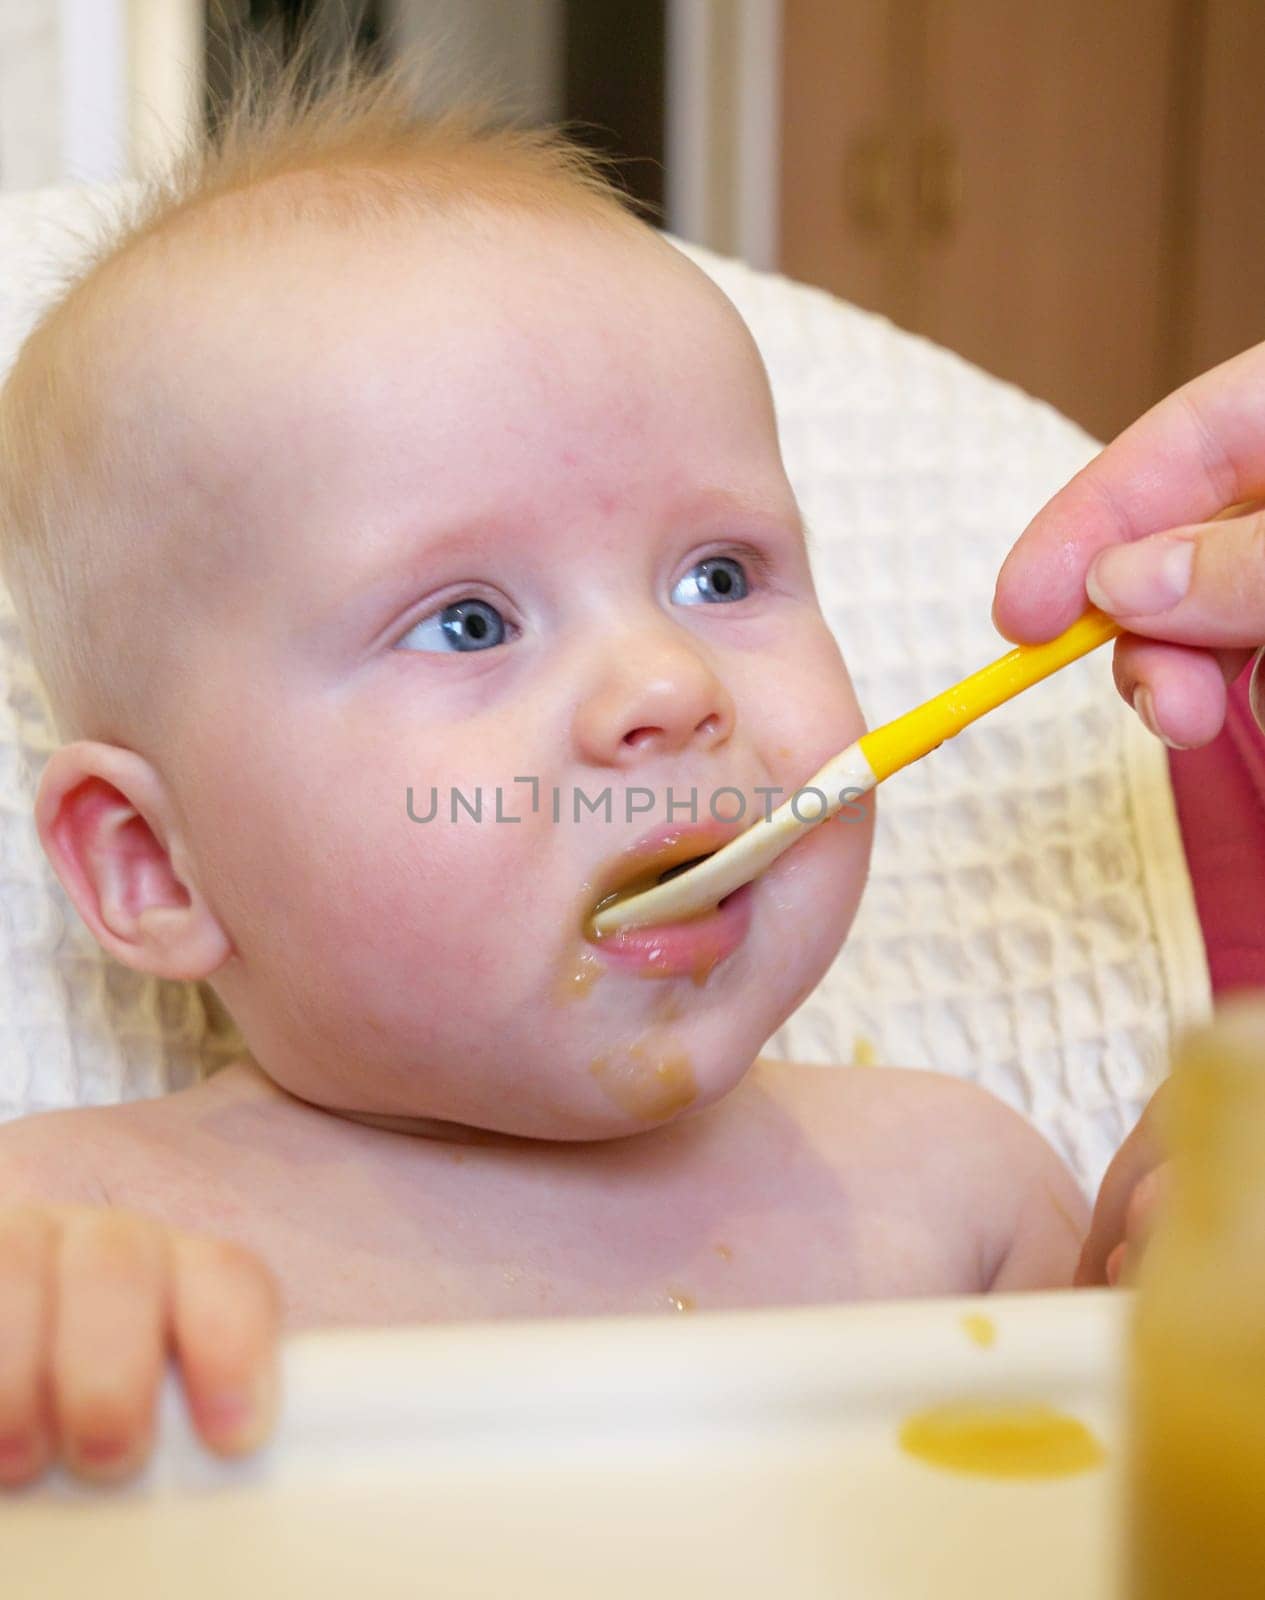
633, 1078
634, 1069
653, 1080
651, 1050
626, 1090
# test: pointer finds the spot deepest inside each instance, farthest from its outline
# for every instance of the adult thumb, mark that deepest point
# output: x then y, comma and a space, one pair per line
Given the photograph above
1202, 585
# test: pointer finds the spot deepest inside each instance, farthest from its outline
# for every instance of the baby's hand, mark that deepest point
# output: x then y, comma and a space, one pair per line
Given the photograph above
91, 1301
1132, 1193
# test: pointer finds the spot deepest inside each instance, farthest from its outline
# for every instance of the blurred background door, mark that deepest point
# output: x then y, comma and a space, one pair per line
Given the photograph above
1066, 193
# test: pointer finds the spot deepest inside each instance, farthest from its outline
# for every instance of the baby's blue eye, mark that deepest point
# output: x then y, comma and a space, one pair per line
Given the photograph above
718, 579
464, 625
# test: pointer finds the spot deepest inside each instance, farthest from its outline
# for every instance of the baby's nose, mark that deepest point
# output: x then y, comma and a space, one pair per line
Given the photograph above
653, 700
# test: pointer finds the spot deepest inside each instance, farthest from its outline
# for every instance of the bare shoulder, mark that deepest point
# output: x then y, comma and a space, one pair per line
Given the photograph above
60, 1157
90, 1155
906, 1103
984, 1168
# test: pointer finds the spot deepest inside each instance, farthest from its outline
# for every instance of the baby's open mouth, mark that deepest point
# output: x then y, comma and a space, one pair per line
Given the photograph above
639, 884
682, 866
674, 946
655, 864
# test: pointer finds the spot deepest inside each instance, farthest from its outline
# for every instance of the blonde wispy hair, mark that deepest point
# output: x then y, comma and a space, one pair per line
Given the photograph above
312, 136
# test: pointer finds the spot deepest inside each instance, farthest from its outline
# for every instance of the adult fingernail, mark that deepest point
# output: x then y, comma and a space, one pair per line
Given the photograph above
1144, 704
1256, 689
1141, 579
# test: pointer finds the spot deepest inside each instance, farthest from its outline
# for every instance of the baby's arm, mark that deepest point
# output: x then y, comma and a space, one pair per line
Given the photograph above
91, 1301
1007, 1208
1049, 1220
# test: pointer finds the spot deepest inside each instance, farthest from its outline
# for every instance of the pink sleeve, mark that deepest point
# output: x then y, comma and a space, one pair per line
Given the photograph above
1220, 795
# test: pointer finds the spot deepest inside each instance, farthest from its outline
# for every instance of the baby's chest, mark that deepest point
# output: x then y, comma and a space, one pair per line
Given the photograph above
334, 1271
358, 1242
762, 1240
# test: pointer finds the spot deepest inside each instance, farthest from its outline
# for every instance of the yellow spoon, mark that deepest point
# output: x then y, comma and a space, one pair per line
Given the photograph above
847, 776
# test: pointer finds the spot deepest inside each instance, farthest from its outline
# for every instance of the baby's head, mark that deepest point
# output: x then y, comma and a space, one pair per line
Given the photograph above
381, 473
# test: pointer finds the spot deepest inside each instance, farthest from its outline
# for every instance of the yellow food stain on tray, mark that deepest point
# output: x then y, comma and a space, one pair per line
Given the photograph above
980, 1330
1010, 1441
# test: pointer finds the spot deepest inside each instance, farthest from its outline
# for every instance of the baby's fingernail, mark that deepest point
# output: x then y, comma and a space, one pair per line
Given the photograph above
1144, 705
1141, 579
105, 1457
1115, 1265
241, 1417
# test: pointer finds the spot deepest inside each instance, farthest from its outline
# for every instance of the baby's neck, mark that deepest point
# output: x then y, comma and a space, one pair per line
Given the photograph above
434, 1131
431, 1128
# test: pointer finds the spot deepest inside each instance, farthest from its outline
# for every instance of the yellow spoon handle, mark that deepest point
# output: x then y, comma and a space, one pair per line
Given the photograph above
912, 735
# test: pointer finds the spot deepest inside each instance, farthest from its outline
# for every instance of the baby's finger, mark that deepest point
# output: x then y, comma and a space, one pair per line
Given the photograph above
108, 1340
1135, 1158
1200, 585
1148, 1197
226, 1323
27, 1241
1178, 691
1145, 1203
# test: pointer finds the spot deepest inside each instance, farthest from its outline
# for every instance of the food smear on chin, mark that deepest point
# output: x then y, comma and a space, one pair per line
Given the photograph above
649, 1084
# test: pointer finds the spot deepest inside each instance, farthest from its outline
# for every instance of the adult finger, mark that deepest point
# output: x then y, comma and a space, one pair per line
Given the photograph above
1196, 452
1179, 692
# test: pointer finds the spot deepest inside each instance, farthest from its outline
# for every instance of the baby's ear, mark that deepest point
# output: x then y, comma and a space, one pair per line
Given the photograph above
106, 825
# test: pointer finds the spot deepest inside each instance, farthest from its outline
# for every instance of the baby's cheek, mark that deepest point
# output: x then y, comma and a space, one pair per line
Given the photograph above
827, 668
819, 720
425, 898
817, 715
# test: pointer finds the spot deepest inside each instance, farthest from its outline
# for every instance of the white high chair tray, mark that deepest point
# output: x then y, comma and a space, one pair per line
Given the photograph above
732, 1453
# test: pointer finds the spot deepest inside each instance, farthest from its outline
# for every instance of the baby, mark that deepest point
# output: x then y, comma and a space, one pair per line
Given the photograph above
381, 472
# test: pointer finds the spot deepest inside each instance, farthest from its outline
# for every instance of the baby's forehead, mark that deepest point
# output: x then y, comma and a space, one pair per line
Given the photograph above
215, 322
268, 262
257, 354
216, 318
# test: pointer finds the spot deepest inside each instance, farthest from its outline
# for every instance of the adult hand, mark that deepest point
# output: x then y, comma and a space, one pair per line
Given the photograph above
1165, 530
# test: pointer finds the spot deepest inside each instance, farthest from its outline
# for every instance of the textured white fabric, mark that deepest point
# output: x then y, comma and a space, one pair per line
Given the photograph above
1029, 922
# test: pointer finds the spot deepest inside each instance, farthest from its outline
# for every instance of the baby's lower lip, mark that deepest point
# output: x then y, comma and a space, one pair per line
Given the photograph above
682, 949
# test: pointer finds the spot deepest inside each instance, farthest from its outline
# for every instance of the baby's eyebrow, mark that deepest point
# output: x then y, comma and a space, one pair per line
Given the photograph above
365, 588
781, 511
369, 587
404, 546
